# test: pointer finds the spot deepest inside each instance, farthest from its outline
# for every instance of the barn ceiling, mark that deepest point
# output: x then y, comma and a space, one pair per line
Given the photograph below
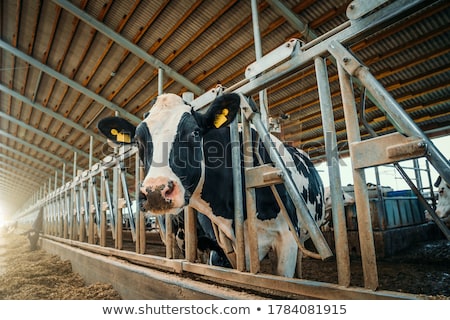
66, 64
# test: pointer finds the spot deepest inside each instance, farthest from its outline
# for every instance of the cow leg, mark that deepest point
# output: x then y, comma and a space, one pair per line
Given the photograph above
287, 256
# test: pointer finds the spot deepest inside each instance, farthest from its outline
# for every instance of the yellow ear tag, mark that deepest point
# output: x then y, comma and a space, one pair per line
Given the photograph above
121, 137
221, 118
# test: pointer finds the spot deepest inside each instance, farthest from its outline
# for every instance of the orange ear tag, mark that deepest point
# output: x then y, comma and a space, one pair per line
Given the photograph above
121, 137
221, 118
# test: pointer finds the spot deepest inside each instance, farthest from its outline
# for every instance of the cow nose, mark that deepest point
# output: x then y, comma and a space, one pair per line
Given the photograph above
169, 189
157, 196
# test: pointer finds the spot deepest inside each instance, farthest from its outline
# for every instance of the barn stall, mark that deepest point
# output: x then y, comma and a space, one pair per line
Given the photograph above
317, 70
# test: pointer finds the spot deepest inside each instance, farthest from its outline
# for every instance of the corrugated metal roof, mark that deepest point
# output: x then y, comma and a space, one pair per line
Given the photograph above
207, 42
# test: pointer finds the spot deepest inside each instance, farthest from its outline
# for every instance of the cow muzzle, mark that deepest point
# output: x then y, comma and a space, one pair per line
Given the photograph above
160, 196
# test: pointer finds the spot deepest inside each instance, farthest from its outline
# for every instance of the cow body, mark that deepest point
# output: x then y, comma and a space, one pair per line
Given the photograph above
187, 161
328, 221
347, 198
443, 206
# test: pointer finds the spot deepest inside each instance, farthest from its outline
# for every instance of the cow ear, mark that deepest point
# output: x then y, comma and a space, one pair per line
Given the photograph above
221, 113
118, 130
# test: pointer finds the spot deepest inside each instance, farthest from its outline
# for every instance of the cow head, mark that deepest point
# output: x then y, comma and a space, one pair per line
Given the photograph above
443, 207
169, 140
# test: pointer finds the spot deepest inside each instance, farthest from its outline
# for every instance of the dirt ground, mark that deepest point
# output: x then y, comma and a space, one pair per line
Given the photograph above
423, 269
38, 275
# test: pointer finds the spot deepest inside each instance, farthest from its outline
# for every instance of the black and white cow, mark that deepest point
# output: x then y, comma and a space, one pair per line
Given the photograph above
187, 161
443, 205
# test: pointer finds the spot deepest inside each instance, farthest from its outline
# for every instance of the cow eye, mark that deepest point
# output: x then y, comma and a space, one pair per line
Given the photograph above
195, 134
194, 137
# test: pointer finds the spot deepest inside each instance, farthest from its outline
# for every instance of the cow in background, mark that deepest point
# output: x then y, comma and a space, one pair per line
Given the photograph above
443, 205
36, 229
348, 201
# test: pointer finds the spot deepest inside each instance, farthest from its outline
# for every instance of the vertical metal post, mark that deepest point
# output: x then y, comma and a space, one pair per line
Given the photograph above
126, 196
190, 216
259, 54
110, 201
65, 208
418, 174
139, 221
103, 208
141, 215
337, 209
81, 214
90, 213
361, 195
251, 253
237, 194
117, 211
71, 203
190, 236
169, 236
160, 81
96, 205
49, 207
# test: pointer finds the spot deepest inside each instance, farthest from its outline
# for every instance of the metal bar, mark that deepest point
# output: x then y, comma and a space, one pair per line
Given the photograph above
139, 232
169, 236
127, 200
259, 54
79, 218
84, 187
337, 205
357, 8
237, 194
293, 19
367, 245
67, 215
72, 202
116, 210
140, 173
90, 213
190, 236
160, 81
95, 203
65, 210
122, 41
190, 215
252, 258
103, 187
109, 200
